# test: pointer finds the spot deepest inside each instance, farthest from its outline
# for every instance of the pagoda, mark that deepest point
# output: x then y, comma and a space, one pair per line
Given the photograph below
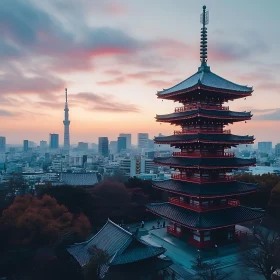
203, 207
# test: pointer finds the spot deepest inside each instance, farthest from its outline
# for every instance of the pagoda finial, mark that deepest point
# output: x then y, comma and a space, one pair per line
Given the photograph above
204, 19
66, 94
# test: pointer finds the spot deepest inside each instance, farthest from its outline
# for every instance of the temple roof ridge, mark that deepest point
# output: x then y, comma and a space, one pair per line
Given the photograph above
207, 78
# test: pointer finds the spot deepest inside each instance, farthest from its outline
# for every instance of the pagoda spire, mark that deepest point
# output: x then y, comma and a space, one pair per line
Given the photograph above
204, 19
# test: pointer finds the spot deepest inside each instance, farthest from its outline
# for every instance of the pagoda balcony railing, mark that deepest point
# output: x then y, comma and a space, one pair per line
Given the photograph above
185, 178
171, 230
203, 155
201, 208
203, 106
206, 131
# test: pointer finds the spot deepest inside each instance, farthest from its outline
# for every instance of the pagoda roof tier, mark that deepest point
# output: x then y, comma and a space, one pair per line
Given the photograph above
122, 246
228, 139
204, 163
206, 190
206, 81
204, 113
204, 220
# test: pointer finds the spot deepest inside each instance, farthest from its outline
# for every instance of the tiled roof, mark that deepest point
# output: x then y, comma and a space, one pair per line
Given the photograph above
208, 79
137, 250
206, 189
204, 162
79, 179
121, 245
204, 220
199, 112
228, 138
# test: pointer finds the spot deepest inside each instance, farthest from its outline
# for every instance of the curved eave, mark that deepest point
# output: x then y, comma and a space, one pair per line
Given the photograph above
179, 117
204, 138
207, 220
205, 190
203, 163
235, 94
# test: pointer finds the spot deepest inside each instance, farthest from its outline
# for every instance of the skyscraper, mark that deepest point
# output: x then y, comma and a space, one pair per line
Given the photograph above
25, 145
265, 147
2, 144
43, 144
66, 123
121, 144
128, 139
82, 146
103, 146
54, 141
143, 140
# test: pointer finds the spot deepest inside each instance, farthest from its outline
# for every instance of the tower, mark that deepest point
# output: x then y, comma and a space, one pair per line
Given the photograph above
203, 208
66, 123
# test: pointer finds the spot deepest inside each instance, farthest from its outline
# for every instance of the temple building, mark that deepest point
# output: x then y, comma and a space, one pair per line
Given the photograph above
203, 207
130, 257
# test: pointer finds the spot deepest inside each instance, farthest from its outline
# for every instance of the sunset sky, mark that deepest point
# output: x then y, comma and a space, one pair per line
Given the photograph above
113, 56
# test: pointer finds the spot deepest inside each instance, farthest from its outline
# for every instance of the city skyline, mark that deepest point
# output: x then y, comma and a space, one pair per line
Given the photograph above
115, 57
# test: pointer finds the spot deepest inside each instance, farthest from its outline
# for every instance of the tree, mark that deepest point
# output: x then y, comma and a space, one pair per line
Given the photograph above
264, 255
17, 185
77, 200
93, 270
34, 222
211, 272
274, 202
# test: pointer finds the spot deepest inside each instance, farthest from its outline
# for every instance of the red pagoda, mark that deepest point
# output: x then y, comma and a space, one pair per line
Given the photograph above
203, 208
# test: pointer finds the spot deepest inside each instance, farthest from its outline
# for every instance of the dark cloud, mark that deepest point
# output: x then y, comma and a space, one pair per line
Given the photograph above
45, 86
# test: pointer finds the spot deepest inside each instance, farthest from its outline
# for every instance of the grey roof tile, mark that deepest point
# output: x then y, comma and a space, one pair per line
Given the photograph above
206, 78
204, 220
79, 179
204, 137
204, 162
212, 113
206, 189
121, 245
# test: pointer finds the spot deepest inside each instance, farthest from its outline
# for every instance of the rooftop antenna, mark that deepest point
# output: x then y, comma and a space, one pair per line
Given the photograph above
204, 19
66, 94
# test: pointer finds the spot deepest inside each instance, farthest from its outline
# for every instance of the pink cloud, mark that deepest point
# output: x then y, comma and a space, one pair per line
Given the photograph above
113, 72
116, 81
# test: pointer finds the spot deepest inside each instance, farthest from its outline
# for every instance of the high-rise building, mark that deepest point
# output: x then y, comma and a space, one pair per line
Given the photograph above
151, 144
128, 139
83, 146
131, 167
43, 144
203, 207
277, 150
143, 140
54, 141
103, 146
25, 145
113, 147
121, 144
66, 122
265, 147
2, 144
